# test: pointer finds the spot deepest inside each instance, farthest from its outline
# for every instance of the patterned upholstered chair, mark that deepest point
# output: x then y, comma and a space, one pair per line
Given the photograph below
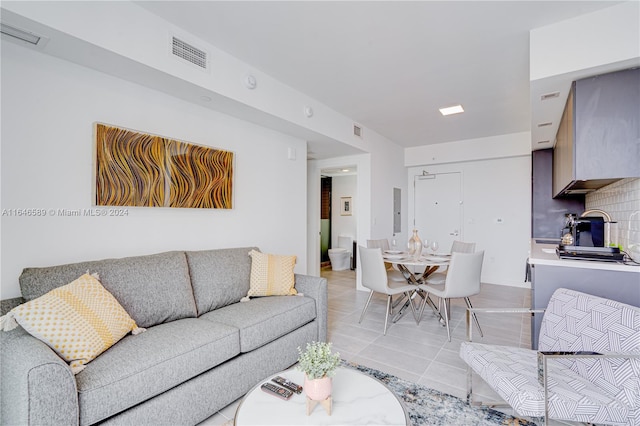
555, 382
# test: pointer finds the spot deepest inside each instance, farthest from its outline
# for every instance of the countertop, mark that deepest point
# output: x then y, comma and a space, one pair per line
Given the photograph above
545, 254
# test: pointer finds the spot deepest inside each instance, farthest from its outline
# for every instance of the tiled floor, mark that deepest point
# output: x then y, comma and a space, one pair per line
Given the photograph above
418, 353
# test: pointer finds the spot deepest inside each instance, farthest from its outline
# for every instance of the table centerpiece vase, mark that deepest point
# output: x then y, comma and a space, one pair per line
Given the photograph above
415, 245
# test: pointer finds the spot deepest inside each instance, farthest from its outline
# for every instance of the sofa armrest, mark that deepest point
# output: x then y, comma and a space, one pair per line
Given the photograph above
8, 304
37, 386
316, 288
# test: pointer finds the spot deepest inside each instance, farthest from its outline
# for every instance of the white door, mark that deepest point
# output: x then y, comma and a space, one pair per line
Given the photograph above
438, 208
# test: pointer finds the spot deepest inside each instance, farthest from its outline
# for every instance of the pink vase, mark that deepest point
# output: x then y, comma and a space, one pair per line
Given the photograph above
317, 389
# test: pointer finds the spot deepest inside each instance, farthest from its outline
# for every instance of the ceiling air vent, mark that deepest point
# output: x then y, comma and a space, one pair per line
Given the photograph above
189, 53
19, 34
357, 130
549, 96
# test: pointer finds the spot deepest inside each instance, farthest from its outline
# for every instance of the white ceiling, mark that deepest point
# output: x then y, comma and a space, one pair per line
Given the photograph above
390, 65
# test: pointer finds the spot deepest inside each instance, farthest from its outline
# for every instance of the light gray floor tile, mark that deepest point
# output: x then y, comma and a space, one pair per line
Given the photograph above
422, 353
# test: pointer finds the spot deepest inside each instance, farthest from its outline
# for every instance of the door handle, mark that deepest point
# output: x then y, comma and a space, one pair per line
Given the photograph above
454, 233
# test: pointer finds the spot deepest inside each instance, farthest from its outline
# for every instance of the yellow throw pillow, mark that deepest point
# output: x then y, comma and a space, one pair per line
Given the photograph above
78, 321
271, 275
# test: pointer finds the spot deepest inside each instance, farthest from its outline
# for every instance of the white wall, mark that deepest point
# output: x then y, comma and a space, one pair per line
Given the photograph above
387, 161
498, 187
48, 108
343, 186
123, 39
606, 36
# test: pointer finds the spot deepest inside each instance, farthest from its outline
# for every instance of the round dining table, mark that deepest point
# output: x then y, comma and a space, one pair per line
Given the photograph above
404, 261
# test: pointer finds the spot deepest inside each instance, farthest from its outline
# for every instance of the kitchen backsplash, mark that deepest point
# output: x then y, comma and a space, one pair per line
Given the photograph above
621, 200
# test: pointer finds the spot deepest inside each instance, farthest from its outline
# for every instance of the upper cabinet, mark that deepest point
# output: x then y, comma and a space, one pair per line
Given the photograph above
548, 213
598, 140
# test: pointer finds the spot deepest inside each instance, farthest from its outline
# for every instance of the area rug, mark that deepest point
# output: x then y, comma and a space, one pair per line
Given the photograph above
430, 407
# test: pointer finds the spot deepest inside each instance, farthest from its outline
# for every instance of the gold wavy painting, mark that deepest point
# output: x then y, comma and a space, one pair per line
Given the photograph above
141, 170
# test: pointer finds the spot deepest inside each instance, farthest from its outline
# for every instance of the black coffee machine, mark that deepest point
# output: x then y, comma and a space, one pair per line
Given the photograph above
584, 231
589, 232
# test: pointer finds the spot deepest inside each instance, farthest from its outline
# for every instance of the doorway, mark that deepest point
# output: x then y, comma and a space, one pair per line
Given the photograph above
325, 220
438, 208
338, 208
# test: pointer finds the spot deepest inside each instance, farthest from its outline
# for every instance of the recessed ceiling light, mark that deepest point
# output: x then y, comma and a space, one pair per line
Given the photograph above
456, 109
345, 170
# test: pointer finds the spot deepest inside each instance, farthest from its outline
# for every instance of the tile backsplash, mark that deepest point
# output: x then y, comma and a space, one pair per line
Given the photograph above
621, 200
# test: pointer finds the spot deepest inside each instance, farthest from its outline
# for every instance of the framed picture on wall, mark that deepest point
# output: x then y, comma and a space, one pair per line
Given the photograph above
346, 206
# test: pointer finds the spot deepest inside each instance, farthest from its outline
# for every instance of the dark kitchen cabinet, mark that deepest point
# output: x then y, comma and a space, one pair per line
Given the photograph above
548, 213
598, 140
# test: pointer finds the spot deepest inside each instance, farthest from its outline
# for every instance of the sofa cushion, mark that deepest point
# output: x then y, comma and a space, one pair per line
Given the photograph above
271, 275
140, 367
152, 289
264, 319
78, 321
219, 277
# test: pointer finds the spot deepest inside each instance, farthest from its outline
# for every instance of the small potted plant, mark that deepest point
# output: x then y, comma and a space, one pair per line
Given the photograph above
319, 365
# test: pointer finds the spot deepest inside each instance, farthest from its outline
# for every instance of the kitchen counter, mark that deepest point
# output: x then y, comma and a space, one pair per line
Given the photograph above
545, 254
610, 280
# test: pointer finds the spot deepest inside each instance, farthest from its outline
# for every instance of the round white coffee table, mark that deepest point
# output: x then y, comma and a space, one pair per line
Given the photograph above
358, 399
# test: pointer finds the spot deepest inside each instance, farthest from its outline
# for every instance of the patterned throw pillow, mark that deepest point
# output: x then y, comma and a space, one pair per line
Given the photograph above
271, 275
78, 321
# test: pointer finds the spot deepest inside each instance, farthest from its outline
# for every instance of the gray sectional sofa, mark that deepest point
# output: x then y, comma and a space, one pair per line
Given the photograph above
202, 350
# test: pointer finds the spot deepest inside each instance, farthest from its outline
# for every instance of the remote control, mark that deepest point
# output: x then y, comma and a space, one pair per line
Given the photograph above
288, 384
281, 393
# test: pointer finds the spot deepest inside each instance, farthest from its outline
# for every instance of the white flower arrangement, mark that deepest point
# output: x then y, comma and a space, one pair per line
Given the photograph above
317, 361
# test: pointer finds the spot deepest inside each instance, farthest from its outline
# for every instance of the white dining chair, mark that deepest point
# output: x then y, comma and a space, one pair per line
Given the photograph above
437, 278
392, 272
374, 277
462, 281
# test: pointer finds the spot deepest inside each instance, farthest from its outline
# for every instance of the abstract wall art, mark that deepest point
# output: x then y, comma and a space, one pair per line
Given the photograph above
143, 170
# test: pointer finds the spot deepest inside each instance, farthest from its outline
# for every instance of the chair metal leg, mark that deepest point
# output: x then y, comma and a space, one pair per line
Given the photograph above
475, 318
469, 385
386, 317
446, 320
422, 306
546, 390
396, 303
472, 402
413, 308
427, 300
365, 307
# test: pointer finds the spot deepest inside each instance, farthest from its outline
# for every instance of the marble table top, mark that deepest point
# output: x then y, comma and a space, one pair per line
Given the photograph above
357, 399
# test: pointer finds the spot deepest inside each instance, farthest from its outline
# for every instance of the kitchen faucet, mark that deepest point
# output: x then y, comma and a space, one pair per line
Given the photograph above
601, 212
